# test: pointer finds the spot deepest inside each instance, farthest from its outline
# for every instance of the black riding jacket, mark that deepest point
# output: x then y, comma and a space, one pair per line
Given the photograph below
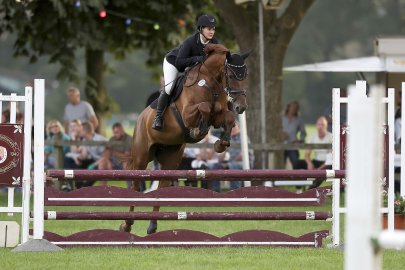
188, 53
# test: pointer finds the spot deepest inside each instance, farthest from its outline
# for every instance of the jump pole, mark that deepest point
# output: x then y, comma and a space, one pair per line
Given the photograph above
222, 175
308, 215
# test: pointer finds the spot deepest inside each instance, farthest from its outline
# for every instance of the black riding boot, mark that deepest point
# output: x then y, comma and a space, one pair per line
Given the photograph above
163, 101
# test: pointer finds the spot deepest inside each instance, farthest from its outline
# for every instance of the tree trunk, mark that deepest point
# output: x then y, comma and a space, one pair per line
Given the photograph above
278, 31
96, 91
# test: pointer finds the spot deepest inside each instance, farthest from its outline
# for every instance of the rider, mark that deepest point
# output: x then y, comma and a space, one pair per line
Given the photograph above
190, 52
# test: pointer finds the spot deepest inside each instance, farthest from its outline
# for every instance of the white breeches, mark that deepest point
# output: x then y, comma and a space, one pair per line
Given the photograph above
170, 74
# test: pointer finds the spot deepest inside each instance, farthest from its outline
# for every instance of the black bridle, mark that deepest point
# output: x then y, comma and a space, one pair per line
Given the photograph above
237, 73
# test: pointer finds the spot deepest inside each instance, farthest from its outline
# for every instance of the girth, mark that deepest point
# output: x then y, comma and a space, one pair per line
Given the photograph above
185, 130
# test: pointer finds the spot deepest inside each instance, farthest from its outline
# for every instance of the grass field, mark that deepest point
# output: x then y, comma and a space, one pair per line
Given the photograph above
188, 258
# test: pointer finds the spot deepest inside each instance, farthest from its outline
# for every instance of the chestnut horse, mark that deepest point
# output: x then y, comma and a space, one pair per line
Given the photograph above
212, 93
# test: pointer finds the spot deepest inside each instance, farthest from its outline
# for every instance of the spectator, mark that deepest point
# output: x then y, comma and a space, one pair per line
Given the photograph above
322, 136
343, 112
5, 116
72, 160
190, 154
398, 125
90, 155
207, 158
78, 109
113, 154
94, 153
292, 125
54, 132
235, 161
72, 157
322, 157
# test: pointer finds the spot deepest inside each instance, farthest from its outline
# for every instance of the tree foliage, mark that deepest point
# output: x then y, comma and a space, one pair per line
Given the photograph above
58, 28
279, 28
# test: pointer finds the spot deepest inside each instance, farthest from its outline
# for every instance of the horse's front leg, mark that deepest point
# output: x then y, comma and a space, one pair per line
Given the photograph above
224, 142
200, 115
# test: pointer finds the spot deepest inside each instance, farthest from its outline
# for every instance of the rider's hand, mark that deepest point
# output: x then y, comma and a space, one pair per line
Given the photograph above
198, 59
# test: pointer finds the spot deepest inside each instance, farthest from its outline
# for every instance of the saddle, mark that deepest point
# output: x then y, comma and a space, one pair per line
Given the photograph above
177, 88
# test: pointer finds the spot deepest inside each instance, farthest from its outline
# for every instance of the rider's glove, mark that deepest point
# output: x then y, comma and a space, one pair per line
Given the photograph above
198, 59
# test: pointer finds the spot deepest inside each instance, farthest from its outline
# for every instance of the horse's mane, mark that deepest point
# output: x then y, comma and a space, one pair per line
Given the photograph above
215, 48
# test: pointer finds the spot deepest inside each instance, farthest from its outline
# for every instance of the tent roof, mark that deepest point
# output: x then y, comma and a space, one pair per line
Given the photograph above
363, 64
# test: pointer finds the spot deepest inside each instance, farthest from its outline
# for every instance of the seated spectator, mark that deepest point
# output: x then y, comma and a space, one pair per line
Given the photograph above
112, 156
235, 161
190, 154
72, 157
320, 160
206, 158
54, 132
90, 155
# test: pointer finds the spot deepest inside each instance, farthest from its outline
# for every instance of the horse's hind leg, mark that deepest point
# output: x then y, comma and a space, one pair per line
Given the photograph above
169, 159
140, 162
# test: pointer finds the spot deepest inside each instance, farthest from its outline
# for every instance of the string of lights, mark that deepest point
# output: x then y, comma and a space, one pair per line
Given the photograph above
127, 19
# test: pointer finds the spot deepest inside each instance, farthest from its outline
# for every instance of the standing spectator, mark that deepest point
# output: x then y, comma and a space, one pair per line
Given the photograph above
398, 125
113, 154
78, 109
292, 125
54, 132
322, 157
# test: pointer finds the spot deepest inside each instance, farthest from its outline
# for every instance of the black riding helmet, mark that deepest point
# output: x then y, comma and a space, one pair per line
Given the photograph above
206, 21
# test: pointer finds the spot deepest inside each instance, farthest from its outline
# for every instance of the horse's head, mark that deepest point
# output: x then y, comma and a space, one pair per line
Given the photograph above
236, 72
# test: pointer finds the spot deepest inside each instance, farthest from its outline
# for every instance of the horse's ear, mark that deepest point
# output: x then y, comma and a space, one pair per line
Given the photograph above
246, 54
228, 56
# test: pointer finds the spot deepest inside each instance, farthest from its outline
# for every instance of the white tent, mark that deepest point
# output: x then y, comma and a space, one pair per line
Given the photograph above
390, 58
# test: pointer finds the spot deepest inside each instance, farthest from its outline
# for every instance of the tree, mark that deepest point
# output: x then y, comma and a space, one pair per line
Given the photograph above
58, 28
279, 27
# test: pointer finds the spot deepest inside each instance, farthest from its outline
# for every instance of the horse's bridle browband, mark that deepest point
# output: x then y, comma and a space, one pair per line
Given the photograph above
232, 93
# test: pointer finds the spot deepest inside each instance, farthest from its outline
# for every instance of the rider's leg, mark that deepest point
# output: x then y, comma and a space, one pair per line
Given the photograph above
170, 73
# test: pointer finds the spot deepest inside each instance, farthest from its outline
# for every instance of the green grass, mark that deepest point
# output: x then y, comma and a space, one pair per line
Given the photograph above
187, 258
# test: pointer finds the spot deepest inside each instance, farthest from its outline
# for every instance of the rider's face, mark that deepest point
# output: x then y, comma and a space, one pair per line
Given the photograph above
208, 32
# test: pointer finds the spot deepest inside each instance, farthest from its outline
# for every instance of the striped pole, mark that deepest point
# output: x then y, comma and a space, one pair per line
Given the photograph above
308, 215
221, 175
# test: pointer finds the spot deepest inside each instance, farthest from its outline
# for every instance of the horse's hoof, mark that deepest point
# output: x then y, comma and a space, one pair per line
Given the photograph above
219, 147
152, 228
124, 228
